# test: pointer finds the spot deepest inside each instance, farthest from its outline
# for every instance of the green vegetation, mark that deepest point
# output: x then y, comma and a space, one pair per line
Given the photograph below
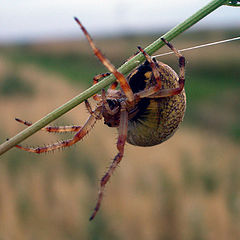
75, 67
13, 85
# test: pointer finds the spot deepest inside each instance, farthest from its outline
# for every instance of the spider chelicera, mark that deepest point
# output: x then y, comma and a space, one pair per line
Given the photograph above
147, 109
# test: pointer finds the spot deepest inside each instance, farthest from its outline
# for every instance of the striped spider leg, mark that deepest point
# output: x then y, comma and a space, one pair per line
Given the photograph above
154, 92
119, 76
123, 122
81, 132
53, 129
120, 146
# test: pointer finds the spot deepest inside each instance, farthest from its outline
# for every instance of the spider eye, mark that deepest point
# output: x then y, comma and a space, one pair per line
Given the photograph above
112, 103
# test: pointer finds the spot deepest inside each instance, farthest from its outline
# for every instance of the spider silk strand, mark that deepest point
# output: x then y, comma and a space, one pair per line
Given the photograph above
200, 46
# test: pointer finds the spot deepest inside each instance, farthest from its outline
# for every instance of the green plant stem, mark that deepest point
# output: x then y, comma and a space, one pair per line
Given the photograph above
125, 68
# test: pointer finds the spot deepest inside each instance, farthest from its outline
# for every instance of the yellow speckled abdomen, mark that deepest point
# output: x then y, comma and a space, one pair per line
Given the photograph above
162, 116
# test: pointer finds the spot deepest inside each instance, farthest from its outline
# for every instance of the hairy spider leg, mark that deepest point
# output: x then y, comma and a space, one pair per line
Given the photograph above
99, 76
156, 74
181, 62
96, 114
54, 129
96, 79
106, 105
153, 92
155, 71
120, 146
59, 129
88, 107
114, 85
119, 76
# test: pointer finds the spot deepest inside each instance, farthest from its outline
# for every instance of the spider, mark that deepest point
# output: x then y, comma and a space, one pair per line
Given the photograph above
147, 109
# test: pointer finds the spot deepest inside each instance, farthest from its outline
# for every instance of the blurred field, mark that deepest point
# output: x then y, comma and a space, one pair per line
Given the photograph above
185, 189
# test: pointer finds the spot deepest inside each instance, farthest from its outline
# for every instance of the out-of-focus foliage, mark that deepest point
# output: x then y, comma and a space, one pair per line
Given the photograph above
184, 189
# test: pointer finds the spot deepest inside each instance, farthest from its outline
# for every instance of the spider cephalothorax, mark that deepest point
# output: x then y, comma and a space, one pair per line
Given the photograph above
147, 109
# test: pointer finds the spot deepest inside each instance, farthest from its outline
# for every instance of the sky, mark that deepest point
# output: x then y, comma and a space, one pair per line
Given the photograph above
42, 20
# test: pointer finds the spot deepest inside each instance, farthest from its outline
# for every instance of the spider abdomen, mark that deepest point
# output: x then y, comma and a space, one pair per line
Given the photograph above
159, 122
157, 118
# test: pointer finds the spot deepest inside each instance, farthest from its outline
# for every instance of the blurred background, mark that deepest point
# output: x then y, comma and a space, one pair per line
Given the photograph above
186, 188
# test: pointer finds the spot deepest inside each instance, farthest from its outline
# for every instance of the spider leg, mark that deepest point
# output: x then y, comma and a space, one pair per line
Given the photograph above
66, 143
153, 65
120, 146
153, 93
59, 129
119, 76
106, 105
55, 129
181, 62
114, 85
88, 106
96, 79
99, 76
